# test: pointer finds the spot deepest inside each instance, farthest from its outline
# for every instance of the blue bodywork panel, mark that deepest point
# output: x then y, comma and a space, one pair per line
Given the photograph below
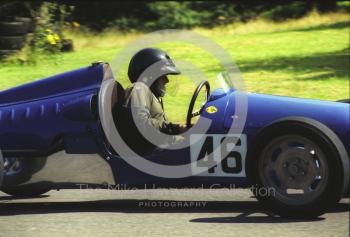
34, 115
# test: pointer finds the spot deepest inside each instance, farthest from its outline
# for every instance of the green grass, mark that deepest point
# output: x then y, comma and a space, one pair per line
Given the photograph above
306, 58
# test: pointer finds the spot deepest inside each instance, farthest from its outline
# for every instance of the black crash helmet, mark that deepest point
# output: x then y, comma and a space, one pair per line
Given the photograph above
145, 58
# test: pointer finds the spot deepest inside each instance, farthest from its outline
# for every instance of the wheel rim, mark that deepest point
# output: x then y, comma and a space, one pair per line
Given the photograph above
295, 167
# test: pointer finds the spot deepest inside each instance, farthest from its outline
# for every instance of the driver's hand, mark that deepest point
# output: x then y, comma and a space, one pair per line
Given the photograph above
183, 128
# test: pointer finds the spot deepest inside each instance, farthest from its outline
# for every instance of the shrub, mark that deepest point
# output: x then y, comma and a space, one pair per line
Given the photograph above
149, 16
283, 12
48, 35
175, 15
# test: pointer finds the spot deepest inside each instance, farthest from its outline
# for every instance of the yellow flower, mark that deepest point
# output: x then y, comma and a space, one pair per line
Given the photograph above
75, 24
51, 39
56, 37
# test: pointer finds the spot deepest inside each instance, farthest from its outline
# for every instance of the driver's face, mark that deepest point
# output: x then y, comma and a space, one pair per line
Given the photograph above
162, 81
160, 85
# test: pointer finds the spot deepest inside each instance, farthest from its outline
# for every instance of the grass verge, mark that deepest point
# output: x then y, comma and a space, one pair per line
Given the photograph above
307, 58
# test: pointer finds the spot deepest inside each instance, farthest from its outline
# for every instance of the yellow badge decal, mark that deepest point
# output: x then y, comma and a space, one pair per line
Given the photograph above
211, 110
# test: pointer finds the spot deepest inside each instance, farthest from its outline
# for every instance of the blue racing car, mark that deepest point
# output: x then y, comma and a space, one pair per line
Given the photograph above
293, 153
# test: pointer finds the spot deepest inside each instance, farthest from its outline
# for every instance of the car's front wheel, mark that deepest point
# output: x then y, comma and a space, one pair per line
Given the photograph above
297, 173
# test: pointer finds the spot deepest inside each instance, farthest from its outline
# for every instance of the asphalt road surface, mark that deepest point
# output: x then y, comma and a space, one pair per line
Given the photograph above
157, 213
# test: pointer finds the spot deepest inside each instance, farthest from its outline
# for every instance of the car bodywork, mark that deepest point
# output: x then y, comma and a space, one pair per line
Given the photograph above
54, 123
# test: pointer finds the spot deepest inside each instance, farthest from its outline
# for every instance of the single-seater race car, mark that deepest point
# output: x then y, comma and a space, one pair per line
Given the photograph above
293, 153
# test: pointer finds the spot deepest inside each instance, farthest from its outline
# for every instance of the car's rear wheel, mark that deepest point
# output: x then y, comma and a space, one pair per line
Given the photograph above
297, 173
18, 171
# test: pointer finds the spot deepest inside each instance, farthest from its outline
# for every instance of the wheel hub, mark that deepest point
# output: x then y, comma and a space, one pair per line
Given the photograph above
294, 165
293, 168
298, 167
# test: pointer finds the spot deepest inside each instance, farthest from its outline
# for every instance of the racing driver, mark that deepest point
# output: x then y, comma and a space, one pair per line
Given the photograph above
144, 98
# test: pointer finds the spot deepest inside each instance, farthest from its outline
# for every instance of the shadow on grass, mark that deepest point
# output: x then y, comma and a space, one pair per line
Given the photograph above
313, 67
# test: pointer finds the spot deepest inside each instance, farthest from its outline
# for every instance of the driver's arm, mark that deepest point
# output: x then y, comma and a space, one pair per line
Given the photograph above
140, 101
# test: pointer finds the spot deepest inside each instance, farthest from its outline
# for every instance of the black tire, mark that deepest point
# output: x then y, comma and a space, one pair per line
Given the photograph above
344, 101
11, 42
6, 52
325, 197
25, 192
18, 171
25, 168
28, 23
17, 28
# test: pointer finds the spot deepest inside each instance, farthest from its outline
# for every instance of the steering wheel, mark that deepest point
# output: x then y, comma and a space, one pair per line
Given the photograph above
190, 113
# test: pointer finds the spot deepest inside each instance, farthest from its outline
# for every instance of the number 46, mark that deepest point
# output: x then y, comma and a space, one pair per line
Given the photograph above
224, 160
